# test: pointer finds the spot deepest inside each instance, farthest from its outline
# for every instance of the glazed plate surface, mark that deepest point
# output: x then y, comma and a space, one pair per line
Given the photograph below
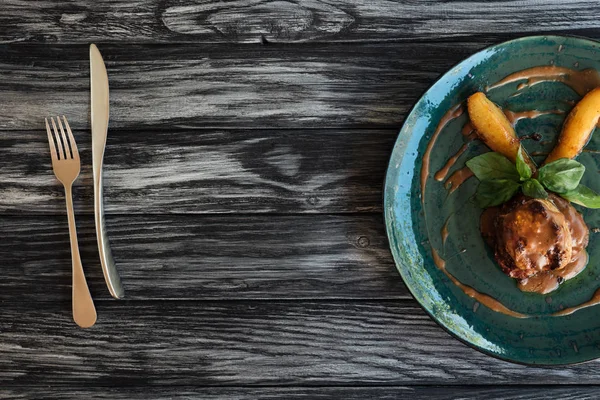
415, 218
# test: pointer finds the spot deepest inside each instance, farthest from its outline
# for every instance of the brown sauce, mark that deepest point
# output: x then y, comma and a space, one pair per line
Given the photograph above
453, 113
580, 81
591, 302
482, 298
580, 233
547, 281
457, 179
468, 129
445, 233
515, 116
470, 136
442, 173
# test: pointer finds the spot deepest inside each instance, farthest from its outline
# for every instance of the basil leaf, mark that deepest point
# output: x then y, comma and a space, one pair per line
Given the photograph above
584, 196
495, 192
493, 166
533, 188
522, 167
562, 175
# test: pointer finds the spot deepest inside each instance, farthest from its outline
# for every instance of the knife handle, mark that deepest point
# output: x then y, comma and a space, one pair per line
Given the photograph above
113, 281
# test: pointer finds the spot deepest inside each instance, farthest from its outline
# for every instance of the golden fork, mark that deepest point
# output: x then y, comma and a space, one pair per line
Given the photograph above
66, 165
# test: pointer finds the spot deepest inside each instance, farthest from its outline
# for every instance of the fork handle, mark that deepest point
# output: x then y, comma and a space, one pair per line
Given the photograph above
84, 311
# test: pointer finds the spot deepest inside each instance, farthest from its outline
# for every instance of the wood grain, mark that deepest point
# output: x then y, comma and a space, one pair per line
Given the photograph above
248, 142
204, 257
293, 393
250, 21
205, 171
250, 343
167, 87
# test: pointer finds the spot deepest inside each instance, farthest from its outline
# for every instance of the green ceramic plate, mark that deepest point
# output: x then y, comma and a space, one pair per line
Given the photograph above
414, 226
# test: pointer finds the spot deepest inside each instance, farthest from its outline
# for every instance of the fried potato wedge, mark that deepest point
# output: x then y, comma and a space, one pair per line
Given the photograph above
493, 128
578, 128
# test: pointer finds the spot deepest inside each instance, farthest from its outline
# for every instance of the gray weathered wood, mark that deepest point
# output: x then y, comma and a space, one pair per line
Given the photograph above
284, 21
205, 257
293, 393
205, 171
213, 113
196, 85
250, 343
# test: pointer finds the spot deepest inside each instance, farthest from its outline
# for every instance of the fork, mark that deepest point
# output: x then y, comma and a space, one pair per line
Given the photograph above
66, 166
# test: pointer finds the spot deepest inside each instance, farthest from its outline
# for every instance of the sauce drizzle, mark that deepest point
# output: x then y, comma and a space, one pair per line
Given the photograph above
482, 298
548, 281
580, 81
442, 173
444, 231
515, 116
468, 129
591, 302
457, 179
453, 113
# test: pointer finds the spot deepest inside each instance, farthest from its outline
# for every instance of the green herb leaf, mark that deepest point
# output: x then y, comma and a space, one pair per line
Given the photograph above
493, 166
584, 196
562, 175
533, 188
495, 192
522, 167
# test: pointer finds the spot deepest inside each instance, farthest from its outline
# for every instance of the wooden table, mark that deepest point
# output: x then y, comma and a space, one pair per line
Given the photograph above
247, 149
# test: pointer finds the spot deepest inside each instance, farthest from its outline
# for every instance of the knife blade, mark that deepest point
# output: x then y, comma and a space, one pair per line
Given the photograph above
99, 117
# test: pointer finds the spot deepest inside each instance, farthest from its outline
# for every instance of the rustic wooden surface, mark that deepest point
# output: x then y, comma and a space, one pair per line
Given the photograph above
244, 170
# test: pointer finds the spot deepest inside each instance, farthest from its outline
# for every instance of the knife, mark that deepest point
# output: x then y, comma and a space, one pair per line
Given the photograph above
99, 111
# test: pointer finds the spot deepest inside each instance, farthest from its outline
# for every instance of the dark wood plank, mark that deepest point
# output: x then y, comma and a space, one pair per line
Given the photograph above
293, 393
165, 87
266, 267
205, 257
283, 21
250, 343
205, 171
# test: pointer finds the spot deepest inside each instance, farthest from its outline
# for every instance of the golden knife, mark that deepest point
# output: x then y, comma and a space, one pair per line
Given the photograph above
99, 107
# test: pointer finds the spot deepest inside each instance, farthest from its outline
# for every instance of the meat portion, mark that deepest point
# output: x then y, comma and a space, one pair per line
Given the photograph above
528, 236
540, 242
580, 233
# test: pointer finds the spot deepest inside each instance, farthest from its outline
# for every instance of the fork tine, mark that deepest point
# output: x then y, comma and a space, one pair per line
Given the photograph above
74, 151
58, 142
68, 153
51, 141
